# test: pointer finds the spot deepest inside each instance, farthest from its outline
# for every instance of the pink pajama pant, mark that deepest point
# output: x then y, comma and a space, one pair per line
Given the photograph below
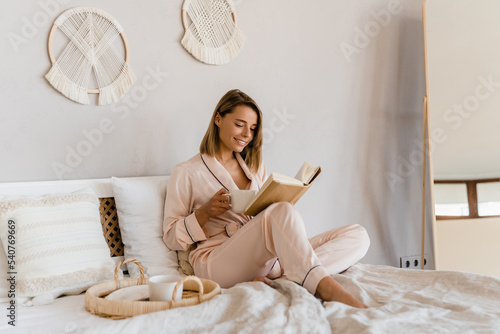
278, 232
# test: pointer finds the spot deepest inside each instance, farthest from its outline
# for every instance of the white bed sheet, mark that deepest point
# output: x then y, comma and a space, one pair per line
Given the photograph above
400, 300
64, 315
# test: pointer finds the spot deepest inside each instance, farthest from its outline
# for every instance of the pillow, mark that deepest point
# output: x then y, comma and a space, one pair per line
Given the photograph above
139, 204
185, 266
57, 244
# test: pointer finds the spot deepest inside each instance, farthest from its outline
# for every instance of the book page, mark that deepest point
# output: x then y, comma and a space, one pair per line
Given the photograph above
281, 178
307, 172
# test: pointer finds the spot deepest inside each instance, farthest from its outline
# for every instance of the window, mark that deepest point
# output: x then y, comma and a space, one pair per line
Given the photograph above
457, 199
451, 199
488, 198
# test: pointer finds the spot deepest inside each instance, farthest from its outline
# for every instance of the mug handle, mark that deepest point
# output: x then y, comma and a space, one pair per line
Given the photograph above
186, 279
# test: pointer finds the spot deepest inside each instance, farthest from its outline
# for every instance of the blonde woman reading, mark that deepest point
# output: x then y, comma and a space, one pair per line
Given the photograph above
229, 247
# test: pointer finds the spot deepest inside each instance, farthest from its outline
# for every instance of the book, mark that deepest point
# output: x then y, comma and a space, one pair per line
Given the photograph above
283, 188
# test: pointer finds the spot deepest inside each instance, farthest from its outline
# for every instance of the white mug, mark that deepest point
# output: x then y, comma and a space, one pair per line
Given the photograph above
239, 199
161, 287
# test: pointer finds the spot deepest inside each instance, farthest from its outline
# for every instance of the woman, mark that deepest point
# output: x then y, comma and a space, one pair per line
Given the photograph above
229, 247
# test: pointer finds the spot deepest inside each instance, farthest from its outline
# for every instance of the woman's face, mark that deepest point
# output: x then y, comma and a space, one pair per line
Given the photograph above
236, 130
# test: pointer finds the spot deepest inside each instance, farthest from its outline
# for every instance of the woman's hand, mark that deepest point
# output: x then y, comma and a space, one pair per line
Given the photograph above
216, 206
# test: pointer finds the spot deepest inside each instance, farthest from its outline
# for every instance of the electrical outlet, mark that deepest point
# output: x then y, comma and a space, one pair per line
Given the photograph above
413, 261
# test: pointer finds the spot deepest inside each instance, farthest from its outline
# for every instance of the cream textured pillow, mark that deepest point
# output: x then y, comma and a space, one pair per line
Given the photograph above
57, 243
140, 203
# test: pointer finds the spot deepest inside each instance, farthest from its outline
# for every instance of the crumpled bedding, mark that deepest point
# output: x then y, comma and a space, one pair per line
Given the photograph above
400, 300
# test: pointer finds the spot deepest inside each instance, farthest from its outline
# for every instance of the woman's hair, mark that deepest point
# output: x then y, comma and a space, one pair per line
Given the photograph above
252, 153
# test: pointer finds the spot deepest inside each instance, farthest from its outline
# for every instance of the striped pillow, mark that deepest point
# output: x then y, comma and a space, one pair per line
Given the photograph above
54, 245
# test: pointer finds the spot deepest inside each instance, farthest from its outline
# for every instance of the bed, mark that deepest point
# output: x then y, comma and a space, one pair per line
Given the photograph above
400, 300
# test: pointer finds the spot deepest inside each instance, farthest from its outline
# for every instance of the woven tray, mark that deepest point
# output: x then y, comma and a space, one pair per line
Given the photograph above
195, 291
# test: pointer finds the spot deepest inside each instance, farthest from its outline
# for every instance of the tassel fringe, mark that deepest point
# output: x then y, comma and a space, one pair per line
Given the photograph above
68, 88
118, 88
214, 56
107, 95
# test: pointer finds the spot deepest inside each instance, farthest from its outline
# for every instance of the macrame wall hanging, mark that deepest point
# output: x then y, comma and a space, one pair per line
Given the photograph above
213, 37
91, 32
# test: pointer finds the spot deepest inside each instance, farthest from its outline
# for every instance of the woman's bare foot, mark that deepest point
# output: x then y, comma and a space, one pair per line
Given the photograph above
330, 290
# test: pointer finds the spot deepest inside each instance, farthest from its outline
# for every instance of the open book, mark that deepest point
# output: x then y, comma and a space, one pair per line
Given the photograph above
283, 188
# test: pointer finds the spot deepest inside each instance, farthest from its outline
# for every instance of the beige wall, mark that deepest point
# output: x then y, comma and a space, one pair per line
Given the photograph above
331, 93
471, 245
464, 76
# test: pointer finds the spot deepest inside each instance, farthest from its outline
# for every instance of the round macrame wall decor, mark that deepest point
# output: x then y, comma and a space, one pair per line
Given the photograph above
90, 50
213, 36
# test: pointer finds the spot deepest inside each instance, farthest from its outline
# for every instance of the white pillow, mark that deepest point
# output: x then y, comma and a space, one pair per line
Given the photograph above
139, 204
57, 244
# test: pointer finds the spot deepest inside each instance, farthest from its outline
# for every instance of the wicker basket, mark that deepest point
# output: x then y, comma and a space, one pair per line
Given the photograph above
195, 291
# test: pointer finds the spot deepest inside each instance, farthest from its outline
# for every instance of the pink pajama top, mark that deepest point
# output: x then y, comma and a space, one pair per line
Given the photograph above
191, 185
